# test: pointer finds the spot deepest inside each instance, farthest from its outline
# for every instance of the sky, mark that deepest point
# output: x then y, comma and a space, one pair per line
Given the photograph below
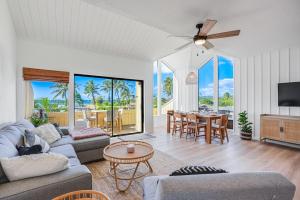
43, 89
206, 76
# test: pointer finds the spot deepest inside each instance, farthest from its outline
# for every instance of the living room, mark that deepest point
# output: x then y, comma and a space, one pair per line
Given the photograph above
149, 99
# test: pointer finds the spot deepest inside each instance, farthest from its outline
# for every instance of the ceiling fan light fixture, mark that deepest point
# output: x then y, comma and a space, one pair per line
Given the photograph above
199, 42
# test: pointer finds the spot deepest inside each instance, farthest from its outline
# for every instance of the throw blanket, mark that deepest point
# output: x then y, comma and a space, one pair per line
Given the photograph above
78, 134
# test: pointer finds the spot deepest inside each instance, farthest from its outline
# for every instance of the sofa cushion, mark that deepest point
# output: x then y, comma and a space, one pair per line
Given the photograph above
83, 144
28, 166
66, 150
48, 186
13, 134
74, 162
48, 132
30, 139
23, 124
8, 150
193, 170
64, 140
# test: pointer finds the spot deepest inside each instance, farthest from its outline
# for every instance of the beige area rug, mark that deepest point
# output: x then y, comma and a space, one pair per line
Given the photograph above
162, 164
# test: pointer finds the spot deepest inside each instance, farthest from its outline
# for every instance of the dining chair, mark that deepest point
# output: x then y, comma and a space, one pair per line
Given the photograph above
194, 125
87, 115
219, 128
111, 119
179, 123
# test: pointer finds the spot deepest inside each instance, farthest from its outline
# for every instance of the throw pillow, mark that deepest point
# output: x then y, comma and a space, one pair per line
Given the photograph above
47, 132
35, 149
58, 129
192, 170
21, 167
30, 139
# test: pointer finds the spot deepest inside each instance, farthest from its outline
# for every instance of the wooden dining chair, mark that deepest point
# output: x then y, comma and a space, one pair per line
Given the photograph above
194, 125
219, 128
179, 123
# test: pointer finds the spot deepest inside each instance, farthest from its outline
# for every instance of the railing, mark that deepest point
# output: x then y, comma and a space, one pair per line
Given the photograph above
167, 106
128, 117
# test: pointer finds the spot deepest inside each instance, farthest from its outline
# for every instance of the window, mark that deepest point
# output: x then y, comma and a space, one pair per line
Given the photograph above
206, 87
163, 81
113, 104
167, 85
225, 79
51, 99
223, 95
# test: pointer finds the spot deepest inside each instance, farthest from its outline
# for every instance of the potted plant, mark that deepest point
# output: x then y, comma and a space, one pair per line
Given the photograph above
245, 126
39, 118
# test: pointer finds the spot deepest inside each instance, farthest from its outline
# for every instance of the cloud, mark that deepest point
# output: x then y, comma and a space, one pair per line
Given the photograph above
225, 85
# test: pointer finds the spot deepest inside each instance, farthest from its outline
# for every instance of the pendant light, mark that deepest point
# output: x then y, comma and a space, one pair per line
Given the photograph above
191, 78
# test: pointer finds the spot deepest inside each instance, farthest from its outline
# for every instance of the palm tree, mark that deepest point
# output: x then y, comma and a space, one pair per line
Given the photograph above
121, 89
106, 87
60, 89
125, 94
78, 98
91, 90
168, 86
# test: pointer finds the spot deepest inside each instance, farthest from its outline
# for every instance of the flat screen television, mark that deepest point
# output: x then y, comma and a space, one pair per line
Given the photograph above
289, 94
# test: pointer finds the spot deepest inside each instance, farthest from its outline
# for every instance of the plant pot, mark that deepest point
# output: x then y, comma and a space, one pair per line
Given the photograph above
246, 136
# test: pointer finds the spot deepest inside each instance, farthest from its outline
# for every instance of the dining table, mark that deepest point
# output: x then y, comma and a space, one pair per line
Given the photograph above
209, 118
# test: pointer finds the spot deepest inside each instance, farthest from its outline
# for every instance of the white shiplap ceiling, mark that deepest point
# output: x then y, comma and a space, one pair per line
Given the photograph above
79, 24
139, 28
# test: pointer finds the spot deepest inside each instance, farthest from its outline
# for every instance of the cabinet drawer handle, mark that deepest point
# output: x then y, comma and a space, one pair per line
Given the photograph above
281, 129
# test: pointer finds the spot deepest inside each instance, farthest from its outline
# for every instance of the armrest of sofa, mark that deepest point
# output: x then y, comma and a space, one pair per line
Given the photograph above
49, 186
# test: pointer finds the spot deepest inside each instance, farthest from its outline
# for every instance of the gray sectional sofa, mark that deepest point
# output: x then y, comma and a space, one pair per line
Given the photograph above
231, 186
76, 177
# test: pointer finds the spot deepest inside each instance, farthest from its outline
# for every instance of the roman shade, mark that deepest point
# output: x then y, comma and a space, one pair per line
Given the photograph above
30, 74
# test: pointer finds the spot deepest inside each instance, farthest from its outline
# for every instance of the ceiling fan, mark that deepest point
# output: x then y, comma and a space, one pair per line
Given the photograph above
201, 38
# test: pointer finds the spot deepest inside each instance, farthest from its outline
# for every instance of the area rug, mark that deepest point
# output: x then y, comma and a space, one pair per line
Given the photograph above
142, 136
162, 164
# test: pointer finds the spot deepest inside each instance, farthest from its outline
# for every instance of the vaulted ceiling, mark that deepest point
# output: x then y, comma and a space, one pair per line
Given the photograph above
139, 28
78, 24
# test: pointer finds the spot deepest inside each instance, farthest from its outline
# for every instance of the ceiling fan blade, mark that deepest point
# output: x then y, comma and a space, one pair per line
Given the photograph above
224, 34
208, 45
207, 26
180, 36
183, 46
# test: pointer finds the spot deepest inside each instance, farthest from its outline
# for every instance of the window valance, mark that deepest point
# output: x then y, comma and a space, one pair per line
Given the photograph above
33, 74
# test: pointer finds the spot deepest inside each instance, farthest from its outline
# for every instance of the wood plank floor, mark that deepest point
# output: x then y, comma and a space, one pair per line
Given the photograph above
236, 156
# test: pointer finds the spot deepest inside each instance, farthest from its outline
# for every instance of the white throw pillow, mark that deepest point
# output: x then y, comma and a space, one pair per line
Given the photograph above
47, 132
31, 139
21, 167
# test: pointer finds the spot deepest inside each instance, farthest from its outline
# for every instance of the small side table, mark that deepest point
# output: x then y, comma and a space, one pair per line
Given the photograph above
117, 154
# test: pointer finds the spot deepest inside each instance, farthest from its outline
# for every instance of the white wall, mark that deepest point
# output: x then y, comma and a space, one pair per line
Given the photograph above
7, 65
47, 56
256, 80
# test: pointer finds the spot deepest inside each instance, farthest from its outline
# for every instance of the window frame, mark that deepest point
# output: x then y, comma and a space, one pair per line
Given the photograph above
115, 78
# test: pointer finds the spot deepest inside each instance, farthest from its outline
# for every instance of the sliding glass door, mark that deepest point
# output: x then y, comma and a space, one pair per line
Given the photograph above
113, 104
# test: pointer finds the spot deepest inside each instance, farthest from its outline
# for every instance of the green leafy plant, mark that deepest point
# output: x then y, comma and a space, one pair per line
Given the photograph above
39, 118
244, 123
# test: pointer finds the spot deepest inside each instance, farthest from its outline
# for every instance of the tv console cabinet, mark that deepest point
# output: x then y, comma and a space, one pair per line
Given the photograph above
280, 128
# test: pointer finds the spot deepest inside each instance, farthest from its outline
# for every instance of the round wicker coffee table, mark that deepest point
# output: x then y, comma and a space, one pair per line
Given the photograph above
117, 154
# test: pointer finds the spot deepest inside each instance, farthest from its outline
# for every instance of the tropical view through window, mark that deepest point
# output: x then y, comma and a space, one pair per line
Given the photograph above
206, 86
226, 86
112, 104
166, 95
51, 98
